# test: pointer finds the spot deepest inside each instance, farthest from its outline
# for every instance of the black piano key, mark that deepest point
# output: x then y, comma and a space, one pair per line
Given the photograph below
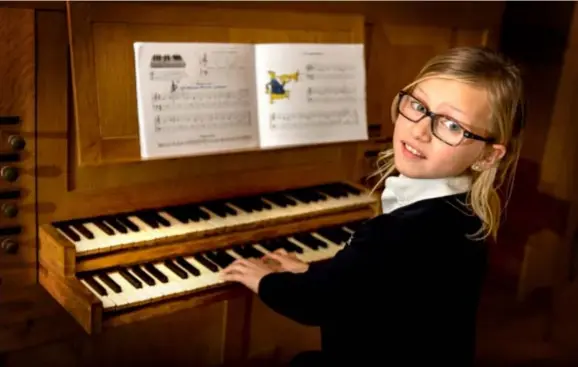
130, 278
319, 242
143, 275
68, 231
114, 223
160, 219
220, 258
187, 266
240, 250
179, 214
109, 282
348, 188
270, 244
253, 252
127, 223
280, 199
307, 195
243, 204
276, 200
302, 238
213, 256
220, 208
334, 234
156, 273
290, 246
264, 205
201, 214
83, 230
103, 227
248, 251
333, 190
176, 269
96, 286
148, 219
206, 263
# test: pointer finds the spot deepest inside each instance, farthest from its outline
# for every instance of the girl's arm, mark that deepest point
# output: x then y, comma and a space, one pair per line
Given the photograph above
307, 297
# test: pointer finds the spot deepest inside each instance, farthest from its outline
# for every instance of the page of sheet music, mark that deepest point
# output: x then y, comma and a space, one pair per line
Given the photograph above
310, 93
195, 98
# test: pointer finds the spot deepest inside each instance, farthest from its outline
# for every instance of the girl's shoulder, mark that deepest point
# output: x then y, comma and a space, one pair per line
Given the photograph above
445, 217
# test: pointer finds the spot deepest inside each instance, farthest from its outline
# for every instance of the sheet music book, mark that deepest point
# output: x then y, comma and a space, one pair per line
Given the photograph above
204, 98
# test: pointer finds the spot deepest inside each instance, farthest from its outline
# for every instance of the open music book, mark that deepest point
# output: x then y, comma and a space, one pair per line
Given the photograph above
203, 98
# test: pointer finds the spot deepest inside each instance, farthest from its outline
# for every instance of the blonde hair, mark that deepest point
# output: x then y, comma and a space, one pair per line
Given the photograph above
502, 80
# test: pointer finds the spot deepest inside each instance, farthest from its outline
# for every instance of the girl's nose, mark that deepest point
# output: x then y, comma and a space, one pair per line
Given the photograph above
421, 130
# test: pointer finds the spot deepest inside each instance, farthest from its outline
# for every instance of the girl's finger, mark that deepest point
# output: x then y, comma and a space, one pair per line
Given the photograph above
283, 259
233, 277
235, 268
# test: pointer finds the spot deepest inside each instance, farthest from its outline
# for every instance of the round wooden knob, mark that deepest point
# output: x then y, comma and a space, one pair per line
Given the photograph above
16, 142
9, 246
9, 210
9, 173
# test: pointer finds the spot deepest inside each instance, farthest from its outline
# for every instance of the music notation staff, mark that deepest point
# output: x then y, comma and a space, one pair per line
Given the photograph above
94, 235
333, 68
189, 100
131, 286
289, 120
211, 120
330, 72
331, 94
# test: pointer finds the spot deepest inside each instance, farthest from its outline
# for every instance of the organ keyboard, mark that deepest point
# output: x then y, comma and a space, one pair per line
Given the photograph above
117, 268
131, 286
109, 233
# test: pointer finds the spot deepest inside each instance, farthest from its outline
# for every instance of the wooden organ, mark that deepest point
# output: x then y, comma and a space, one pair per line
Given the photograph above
102, 247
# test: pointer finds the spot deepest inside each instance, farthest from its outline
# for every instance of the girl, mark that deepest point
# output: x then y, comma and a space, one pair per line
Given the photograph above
405, 290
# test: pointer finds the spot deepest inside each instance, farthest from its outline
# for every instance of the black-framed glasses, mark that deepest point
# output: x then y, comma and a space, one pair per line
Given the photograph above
443, 127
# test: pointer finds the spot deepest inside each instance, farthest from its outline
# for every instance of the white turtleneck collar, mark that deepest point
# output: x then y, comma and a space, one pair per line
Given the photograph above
401, 191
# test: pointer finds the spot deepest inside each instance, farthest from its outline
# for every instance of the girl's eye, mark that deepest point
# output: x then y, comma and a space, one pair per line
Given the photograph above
418, 107
451, 125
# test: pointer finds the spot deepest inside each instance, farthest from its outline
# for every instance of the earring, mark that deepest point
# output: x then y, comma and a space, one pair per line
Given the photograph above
476, 167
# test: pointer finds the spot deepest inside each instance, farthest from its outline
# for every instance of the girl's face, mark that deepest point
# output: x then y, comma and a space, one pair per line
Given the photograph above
421, 154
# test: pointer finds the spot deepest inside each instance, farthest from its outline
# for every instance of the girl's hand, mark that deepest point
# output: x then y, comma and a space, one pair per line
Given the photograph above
284, 261
248, 272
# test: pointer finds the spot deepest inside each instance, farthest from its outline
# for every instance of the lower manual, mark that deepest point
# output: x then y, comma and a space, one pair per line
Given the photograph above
137, 285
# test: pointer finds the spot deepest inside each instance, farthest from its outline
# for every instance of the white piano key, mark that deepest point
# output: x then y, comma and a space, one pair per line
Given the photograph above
160, 289
207, 277
168, 288
149, 292
107, 303
134, 296
118, 298
174, 285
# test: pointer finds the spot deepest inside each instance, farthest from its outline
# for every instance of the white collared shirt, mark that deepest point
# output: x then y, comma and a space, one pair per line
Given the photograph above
401, 191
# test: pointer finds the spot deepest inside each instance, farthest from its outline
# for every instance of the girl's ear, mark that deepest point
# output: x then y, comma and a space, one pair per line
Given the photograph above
490, 158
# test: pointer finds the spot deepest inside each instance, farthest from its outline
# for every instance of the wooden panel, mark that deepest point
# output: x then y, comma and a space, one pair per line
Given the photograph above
102, 36
266, 340
17, 66
137, 185
396, 53
559, 159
